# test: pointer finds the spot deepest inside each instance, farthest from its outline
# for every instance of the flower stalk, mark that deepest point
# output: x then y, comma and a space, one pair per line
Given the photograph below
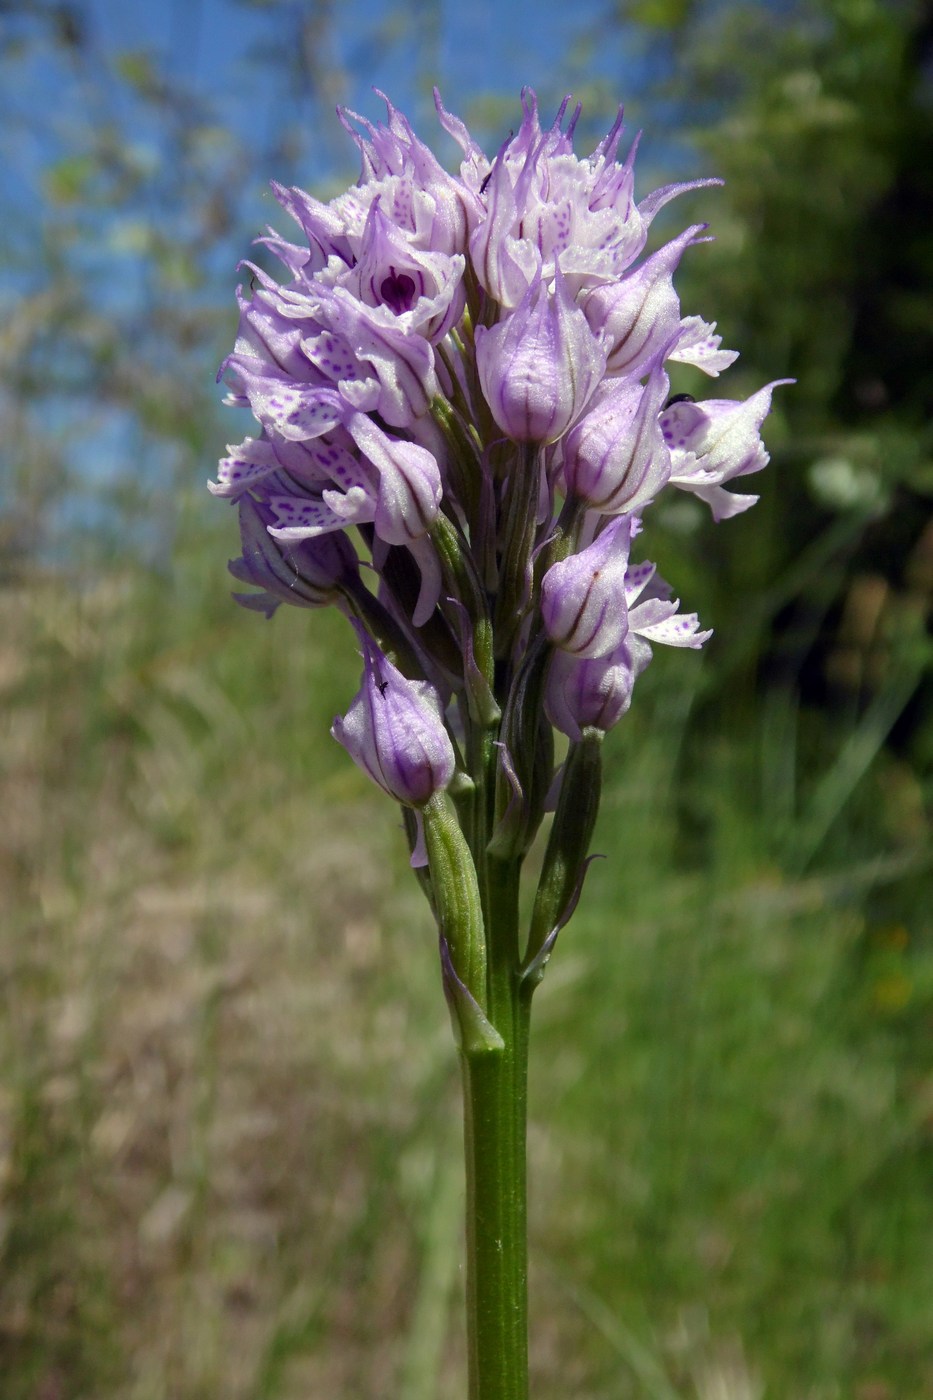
461, 387
495, 1109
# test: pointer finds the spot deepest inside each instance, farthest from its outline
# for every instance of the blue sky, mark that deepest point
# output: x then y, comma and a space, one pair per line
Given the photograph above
56, 102
471, 47
219, 51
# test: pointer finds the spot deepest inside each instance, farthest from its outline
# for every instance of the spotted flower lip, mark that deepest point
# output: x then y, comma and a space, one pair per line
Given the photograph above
393, 483
715, 441
394, 731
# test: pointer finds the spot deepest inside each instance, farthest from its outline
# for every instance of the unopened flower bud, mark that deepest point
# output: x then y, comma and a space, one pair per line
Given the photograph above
540, 365
639, 314
394, 730
593, 692
583, 597
615, 458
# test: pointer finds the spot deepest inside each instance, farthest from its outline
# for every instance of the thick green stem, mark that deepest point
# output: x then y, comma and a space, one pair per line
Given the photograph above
495, 1096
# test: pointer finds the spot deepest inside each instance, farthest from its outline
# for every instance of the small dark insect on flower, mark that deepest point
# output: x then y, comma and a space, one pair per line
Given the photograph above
680, 398
382, 687
487, 178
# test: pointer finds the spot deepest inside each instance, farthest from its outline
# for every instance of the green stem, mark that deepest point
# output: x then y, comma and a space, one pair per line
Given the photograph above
495, 1096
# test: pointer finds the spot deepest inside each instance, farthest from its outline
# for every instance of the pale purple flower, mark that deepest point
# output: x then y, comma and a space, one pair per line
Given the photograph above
589, 689
715, 441
638, 317
614, 458
540, 365
310, 573
547, 208
370, 354
417, 193
507, 266
394, 731
583, 596
421, 288
589, 601
593, 692
390, 482
432, 209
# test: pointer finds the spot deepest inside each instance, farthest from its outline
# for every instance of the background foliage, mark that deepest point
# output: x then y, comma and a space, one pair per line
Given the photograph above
228, 1141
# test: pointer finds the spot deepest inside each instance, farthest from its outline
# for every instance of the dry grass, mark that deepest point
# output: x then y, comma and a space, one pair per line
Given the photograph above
207, 1066
228, 1123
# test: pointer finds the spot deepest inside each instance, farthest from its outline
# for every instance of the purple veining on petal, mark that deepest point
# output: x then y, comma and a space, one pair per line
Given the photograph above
394, 730
583, 596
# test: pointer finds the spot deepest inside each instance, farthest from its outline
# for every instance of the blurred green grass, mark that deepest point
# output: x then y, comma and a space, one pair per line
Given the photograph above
229, 1155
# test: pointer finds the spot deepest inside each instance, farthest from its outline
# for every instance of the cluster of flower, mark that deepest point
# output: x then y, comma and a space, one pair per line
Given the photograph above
469, 370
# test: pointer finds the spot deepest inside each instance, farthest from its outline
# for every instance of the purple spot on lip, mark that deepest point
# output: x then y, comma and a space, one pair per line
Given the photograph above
398, 291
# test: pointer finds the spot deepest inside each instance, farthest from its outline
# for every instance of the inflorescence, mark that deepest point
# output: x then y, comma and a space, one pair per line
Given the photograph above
467, 372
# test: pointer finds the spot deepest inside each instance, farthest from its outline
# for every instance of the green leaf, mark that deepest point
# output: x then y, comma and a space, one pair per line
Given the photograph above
68, 181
